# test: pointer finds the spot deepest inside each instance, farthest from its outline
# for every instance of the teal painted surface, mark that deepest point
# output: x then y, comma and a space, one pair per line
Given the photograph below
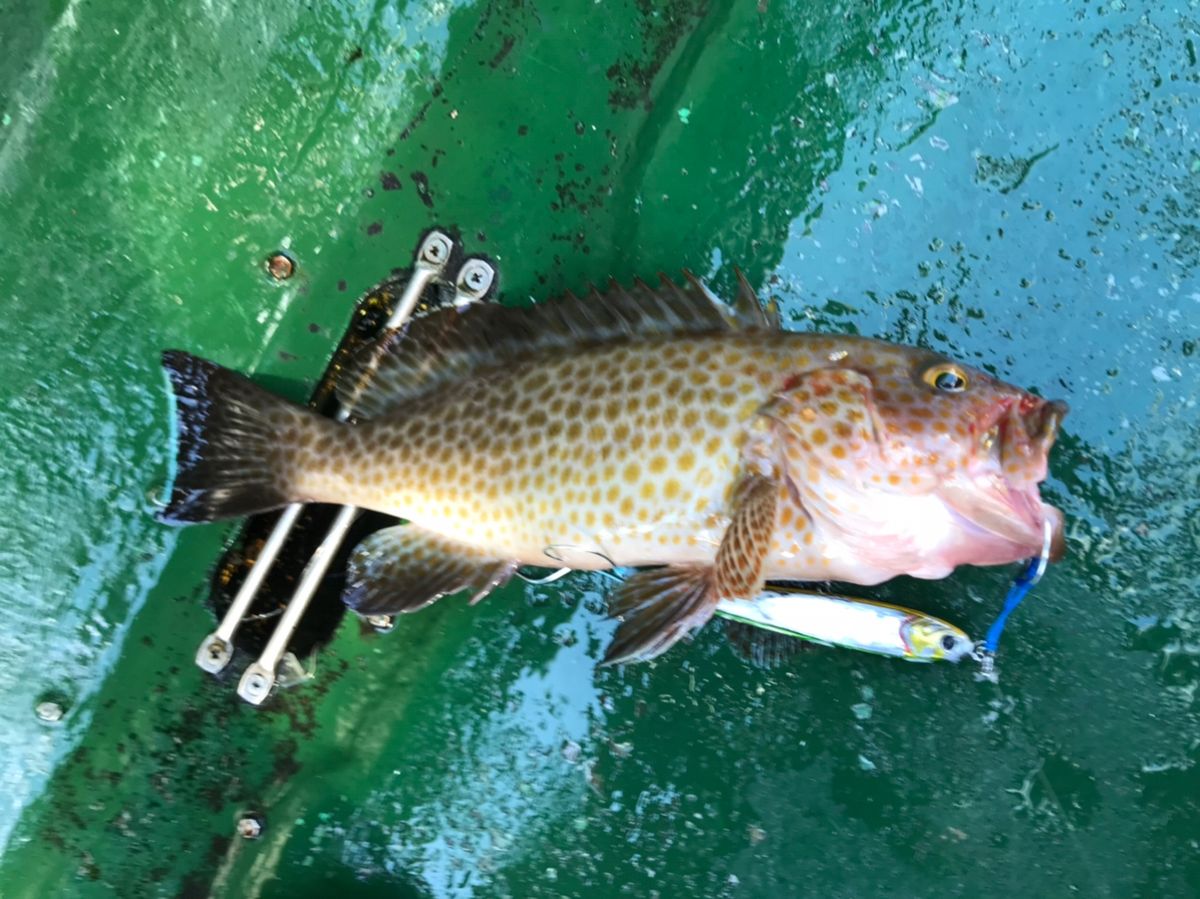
1015, 184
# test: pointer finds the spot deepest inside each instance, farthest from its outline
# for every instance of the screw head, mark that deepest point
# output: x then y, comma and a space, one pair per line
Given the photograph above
476, 276
250, 826
280, 266
437, 249
49, 711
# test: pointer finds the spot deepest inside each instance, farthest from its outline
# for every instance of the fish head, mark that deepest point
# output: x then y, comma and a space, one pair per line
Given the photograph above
931, 639
895, 438
978, 443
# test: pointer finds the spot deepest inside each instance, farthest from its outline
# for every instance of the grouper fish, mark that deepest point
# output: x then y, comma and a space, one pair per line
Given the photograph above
652, 427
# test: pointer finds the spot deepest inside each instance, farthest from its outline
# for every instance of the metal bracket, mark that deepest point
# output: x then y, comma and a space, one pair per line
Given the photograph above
432, 257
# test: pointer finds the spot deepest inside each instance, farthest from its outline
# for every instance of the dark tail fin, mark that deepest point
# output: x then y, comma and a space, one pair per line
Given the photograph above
231, 442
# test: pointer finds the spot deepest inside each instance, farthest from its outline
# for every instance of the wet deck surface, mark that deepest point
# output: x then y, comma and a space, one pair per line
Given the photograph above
1015, 184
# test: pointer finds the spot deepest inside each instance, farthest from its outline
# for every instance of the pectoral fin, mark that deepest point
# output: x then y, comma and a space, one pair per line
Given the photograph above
405, 568
659, 606
743, 549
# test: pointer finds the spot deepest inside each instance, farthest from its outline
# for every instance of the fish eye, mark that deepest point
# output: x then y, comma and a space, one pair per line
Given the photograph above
949, 642
947, 378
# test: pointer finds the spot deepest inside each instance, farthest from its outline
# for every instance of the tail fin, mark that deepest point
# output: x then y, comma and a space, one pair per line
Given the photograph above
231, 446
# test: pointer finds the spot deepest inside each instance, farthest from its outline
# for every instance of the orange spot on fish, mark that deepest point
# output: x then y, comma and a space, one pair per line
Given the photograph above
716, 418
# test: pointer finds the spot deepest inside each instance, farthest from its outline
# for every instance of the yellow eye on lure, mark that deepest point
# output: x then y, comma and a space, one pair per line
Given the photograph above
849, 623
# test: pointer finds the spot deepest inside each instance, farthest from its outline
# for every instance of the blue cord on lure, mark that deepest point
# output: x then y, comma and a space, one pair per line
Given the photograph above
1025, 581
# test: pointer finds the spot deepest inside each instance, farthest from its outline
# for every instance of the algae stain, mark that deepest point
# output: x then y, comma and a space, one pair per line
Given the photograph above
1005, 174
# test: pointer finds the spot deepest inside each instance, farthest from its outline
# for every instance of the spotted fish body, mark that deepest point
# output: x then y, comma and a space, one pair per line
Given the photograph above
668, 434
619, 455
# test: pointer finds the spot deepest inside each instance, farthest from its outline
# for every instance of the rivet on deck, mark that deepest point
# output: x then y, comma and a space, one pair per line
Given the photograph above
280, 266
250, 826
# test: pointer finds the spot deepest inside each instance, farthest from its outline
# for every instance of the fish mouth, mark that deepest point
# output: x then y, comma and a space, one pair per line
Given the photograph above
1020, 437
999, 501
1035, 425
995, 500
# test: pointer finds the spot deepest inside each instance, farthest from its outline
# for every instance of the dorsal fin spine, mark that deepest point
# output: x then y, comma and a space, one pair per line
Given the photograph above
447, 345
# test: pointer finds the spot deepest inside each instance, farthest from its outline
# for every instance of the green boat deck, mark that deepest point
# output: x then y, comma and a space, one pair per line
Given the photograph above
1017, 184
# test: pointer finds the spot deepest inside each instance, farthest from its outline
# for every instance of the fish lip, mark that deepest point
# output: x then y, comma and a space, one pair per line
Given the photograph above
1042, 423
1025, 430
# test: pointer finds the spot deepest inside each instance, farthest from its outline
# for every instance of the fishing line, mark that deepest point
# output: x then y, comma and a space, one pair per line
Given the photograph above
551, 552
1024, 582
548, 579
987, 655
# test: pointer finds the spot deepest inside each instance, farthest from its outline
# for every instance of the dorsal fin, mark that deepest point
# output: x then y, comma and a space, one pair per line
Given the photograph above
751, 313
449, 344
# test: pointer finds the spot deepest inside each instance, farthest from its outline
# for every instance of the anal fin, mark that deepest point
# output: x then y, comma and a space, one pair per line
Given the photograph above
405, 568
657, 607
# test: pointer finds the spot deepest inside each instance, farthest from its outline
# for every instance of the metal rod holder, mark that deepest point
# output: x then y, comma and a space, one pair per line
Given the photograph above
216, 650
